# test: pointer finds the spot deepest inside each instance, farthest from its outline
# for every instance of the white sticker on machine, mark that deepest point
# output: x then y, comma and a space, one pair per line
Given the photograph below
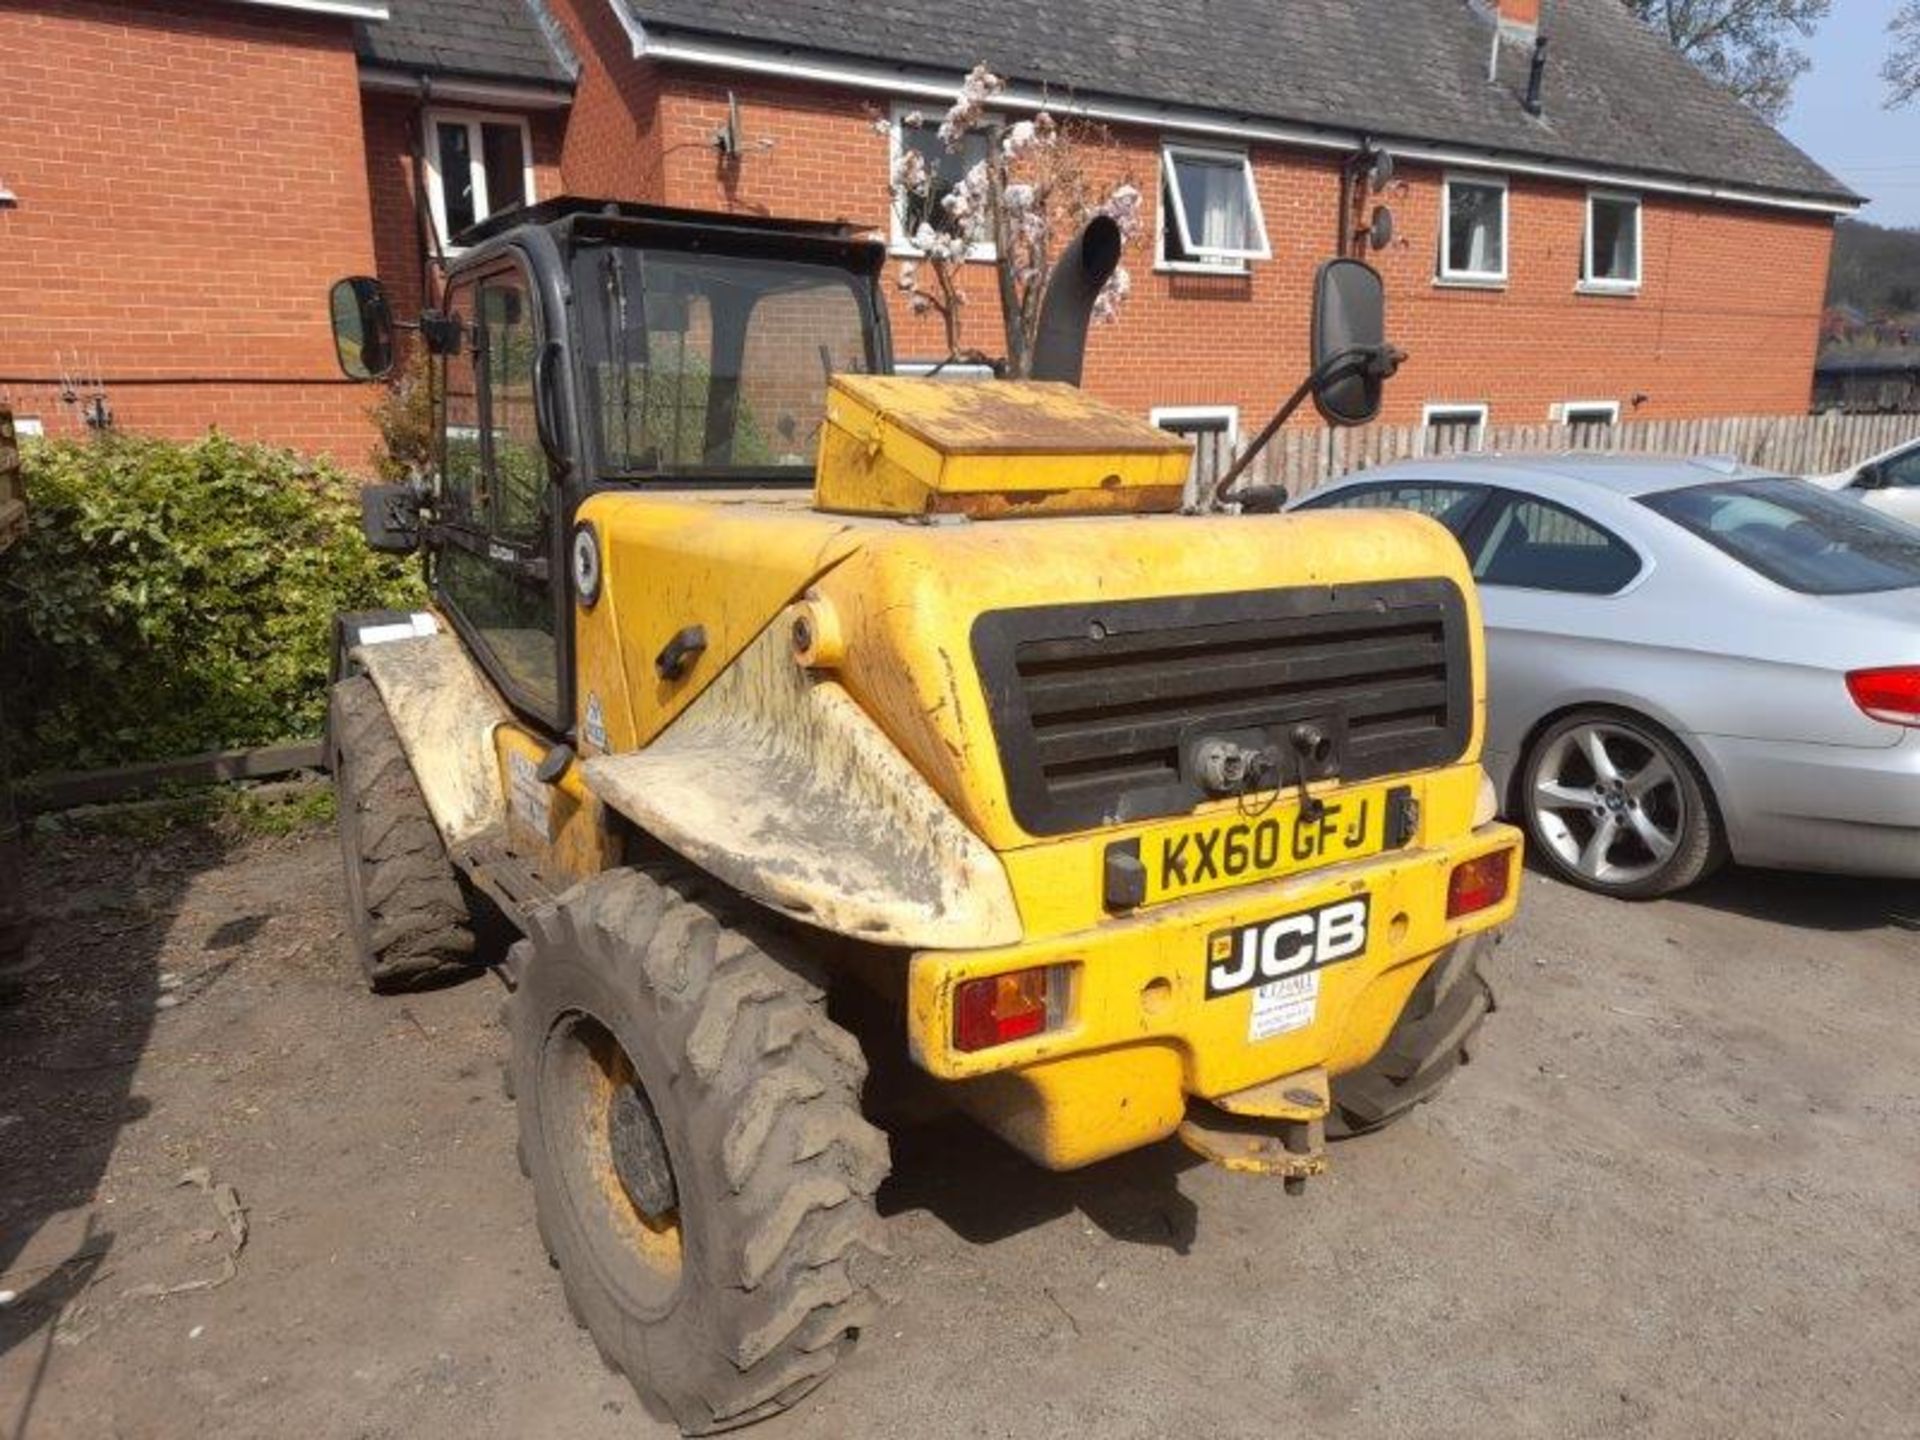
1284, 1006
530, 799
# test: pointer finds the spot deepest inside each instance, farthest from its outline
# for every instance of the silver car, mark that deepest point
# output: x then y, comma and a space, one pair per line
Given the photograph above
1687, 660
1890, 481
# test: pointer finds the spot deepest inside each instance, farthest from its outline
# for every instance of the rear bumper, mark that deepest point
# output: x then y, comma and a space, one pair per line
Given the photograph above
1141, 1035
1820, 807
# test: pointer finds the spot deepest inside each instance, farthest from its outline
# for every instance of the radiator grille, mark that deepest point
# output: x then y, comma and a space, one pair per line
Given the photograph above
1092, 704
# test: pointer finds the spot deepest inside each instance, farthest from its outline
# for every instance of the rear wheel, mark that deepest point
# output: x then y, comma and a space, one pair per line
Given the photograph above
1615, 805
689, 1118
407, 915
1428, 1043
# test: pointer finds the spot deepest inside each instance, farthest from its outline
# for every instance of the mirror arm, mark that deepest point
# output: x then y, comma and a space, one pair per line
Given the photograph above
1381, 360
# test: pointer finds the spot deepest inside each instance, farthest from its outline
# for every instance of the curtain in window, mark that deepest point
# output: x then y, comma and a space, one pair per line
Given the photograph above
1215, 197
1473, 229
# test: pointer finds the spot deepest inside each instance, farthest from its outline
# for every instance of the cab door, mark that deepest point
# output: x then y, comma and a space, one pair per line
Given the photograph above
491, 553
496, 512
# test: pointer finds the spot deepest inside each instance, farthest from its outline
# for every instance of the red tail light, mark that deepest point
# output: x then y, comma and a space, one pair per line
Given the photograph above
1003, 1008
1479, 883
1892, 695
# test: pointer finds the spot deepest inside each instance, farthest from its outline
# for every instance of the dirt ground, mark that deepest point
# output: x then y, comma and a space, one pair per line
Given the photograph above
1674, 1195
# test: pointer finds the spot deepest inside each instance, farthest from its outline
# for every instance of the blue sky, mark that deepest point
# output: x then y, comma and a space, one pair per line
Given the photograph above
1837, 116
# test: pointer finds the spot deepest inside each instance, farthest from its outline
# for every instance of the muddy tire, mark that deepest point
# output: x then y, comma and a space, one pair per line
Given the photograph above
407, 915
690, 1120
1427, 1044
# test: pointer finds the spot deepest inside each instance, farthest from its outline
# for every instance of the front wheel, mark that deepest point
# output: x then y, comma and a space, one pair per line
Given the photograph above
690, 1120
1613, 804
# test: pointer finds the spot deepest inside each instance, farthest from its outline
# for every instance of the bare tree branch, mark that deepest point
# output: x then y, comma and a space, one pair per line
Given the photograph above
1747, 46
1902, 68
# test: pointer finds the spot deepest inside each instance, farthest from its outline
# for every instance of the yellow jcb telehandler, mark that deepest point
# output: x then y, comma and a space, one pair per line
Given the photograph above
1129, 815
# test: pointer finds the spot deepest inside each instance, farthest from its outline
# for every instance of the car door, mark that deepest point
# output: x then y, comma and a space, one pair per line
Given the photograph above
1546, 577
1893, 485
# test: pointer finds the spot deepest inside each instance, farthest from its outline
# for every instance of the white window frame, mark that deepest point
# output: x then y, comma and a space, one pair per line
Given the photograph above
1167, 416
476, 150
1213, 260
1447, 275
944, 370
897, 242
1593, 285
1479, 408
1564, 412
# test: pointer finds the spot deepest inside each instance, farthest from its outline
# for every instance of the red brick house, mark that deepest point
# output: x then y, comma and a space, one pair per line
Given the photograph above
184, 177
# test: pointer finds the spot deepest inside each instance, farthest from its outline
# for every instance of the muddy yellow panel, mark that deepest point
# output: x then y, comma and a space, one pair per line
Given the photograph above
560, 827
712, 568
1174, 1003
906, 601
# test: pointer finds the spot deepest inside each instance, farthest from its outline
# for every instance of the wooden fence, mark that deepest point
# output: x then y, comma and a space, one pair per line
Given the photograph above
1302, 459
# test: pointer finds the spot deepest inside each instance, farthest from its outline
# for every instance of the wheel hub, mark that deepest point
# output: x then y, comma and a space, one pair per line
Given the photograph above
639, 1153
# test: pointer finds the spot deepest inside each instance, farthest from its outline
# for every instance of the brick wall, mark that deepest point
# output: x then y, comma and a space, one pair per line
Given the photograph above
190, 179
1726, 320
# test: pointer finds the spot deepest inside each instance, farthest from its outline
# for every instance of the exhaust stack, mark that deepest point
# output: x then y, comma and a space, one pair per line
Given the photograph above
1084, 267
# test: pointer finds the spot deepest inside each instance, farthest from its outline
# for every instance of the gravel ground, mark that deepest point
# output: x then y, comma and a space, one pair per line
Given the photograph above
1674, 1195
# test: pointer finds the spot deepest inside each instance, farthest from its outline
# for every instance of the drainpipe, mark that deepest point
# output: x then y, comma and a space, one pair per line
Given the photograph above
430, 250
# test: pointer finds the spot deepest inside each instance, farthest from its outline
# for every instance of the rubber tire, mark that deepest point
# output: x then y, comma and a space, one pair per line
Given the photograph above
1702, 848
757, 1095
407, 915
1429, 1041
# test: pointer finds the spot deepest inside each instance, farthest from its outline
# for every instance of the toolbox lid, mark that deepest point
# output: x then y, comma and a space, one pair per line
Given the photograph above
903, 445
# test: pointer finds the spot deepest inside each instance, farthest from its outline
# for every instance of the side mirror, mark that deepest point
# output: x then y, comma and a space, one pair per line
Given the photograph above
362, 328
1869, 477
1349, 320
390, 518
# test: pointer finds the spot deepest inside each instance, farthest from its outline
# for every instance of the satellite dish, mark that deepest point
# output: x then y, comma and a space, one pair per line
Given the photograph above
1380, 228
1382, 171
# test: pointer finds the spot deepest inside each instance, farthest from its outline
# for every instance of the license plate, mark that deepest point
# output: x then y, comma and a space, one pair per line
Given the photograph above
1284, 947
1231, 850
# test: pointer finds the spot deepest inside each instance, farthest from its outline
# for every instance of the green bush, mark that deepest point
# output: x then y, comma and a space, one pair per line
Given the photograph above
171, 599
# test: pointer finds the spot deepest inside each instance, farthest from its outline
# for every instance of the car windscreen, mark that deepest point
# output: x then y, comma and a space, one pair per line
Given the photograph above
713, 367
1798, 536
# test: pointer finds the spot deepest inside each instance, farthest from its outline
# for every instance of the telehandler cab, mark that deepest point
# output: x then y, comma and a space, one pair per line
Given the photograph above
1128, 818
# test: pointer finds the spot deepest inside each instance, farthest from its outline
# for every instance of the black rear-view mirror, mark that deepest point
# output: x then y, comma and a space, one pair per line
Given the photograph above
1349, 320
362, 328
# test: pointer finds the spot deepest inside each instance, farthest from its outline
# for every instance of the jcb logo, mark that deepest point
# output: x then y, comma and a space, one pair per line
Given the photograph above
1270, 950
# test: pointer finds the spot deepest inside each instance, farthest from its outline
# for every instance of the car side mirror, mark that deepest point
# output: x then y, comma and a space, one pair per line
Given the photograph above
1351, 357
362, 328
1869, 477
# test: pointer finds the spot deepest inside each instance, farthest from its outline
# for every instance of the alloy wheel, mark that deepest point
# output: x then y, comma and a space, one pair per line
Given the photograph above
1608, 801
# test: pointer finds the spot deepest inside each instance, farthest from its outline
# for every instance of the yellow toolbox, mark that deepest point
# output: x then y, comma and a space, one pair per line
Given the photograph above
899, 445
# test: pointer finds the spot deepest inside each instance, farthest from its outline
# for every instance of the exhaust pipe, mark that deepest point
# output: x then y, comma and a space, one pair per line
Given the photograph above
1084, 267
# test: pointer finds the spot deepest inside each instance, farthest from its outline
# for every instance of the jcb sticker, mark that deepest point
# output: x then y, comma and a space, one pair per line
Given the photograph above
1270, 950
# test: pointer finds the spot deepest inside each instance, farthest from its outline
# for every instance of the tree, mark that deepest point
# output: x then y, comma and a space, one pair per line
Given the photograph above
1902, 68
1032, 189
1746, 45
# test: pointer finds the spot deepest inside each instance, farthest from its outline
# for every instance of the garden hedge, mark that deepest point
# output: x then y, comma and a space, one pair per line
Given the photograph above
176, 598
